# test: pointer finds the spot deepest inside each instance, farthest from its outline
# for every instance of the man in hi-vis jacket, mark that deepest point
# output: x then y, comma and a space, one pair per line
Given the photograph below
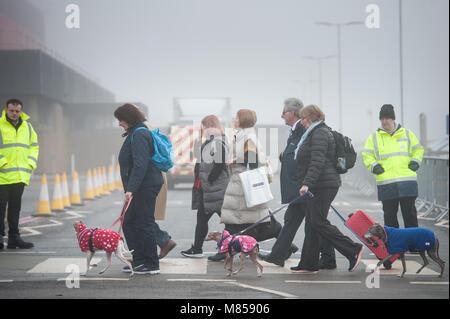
393, 154
19, 152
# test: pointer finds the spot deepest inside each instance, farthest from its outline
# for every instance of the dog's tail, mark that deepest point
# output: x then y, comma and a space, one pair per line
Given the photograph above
124, 249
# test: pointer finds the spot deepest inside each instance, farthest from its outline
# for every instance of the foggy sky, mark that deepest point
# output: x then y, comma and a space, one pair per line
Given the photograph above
252, 51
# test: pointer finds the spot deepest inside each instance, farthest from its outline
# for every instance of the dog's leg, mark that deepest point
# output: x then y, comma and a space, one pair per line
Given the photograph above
229, 259
119, 253
425, 261
108, 262
434, 254
241, 263
382, 261
402, 257
254, 259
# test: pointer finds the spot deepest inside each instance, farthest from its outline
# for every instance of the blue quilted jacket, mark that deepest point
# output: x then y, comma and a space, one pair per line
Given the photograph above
402, 240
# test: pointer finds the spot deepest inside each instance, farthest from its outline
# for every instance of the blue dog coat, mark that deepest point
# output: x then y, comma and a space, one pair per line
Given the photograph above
401, 240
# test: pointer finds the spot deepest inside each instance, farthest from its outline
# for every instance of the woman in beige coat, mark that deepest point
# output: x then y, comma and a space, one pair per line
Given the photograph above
247, 154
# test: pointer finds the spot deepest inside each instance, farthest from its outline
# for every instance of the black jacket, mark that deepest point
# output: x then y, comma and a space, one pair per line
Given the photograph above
136, 168
289, 171
316, 159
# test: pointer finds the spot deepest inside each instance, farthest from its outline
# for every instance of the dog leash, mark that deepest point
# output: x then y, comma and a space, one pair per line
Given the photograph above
122, 215
310, 195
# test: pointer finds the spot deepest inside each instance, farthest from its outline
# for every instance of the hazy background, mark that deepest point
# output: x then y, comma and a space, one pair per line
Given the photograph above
252, 51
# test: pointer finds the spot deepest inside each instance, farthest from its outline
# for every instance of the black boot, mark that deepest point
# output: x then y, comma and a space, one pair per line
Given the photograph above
16, 242
1, 242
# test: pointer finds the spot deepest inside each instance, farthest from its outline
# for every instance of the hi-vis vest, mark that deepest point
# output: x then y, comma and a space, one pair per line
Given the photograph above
19, 151
394, 153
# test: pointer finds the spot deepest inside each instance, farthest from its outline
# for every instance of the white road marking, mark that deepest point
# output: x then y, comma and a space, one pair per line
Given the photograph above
271, 291
183, 265
6, 281
397, 268
58, 265
96, 279
200, 280
429, 283
32, 229
76, 214
323, 281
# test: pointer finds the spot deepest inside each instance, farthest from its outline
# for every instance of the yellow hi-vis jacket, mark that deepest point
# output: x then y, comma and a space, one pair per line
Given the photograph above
393, 152
19, 151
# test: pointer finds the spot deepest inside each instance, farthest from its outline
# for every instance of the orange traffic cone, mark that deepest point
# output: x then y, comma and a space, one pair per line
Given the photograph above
65, 190
96, 183
111, 182
75, 198
57, 203
89, 192
104, 181
43, 208
118, 179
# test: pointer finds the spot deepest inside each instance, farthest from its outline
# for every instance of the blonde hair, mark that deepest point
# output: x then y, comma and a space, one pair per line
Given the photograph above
247, 118
312, 113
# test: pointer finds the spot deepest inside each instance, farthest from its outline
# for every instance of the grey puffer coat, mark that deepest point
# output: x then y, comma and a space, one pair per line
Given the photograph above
213, 173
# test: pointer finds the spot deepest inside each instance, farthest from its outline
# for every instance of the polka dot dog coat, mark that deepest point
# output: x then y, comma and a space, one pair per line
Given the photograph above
239, 243
102, 239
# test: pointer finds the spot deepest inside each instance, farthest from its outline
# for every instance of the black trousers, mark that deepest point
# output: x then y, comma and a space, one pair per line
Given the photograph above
11, 196
408, 208
201, 229
317, 227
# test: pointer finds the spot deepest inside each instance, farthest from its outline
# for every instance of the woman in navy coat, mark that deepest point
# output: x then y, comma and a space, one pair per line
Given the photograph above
142, 181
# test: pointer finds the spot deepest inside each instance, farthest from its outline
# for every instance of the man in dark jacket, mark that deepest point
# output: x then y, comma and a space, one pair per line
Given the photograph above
283, 248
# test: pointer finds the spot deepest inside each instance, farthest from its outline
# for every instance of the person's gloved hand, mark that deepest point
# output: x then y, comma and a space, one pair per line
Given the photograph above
378, 169
413, 165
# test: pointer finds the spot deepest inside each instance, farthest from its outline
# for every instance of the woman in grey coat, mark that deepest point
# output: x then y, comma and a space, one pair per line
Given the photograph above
211, 180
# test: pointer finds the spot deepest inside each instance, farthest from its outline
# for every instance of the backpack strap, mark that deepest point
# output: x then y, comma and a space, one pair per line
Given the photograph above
139, 128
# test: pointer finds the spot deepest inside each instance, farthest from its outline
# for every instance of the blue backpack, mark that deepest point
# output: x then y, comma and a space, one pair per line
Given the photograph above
164, 156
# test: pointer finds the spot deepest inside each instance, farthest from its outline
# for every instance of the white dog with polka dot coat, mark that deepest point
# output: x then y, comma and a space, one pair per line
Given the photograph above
93, 239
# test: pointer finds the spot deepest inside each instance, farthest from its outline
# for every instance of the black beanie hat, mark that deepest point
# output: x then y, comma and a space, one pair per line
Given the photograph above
387, 111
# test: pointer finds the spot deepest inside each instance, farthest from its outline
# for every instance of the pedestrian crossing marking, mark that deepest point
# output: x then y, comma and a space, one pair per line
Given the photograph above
199, 266
183, 266
397, 268
58, 265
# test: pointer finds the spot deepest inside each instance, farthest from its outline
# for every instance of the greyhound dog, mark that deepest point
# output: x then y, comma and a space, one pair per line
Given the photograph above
90, 240
398, 241
232, 245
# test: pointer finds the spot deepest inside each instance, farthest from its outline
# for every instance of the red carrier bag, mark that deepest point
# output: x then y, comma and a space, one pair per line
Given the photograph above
359, 223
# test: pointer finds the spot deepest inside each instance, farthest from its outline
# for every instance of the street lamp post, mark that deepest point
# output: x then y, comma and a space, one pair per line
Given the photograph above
338, 27
319, 61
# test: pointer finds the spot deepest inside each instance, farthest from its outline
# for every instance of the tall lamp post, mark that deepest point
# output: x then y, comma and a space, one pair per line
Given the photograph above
338, 27
319, 61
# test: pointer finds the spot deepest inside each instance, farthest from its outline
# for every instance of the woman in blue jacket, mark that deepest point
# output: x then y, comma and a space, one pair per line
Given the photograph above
141, 180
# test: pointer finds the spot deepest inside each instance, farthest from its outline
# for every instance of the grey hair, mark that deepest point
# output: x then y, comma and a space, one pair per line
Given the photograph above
293, 104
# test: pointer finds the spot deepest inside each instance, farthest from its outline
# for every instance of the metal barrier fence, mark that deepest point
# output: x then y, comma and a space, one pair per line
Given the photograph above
433, 187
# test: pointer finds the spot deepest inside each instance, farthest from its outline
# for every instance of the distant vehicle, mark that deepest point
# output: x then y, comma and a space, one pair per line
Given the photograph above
184, 132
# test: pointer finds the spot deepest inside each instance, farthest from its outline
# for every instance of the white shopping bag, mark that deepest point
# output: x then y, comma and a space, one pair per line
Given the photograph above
256, 186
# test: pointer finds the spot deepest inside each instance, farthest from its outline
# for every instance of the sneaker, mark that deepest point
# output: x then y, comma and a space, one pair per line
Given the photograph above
218, 257
355, 260
300, 270
144, 270
192, 253
126, 269
327, 265
270, 259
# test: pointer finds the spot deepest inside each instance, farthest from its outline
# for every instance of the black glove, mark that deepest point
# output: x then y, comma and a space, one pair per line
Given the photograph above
413, 165
378, 169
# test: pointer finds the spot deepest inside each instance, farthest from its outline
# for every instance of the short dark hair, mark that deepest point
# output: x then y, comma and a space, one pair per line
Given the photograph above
130, 114
14, 102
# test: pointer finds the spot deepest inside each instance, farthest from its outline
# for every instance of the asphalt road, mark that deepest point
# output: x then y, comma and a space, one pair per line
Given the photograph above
49, 270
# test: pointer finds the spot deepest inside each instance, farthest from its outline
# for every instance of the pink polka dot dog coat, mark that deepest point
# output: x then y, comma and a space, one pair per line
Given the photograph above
239, 243
102, 239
